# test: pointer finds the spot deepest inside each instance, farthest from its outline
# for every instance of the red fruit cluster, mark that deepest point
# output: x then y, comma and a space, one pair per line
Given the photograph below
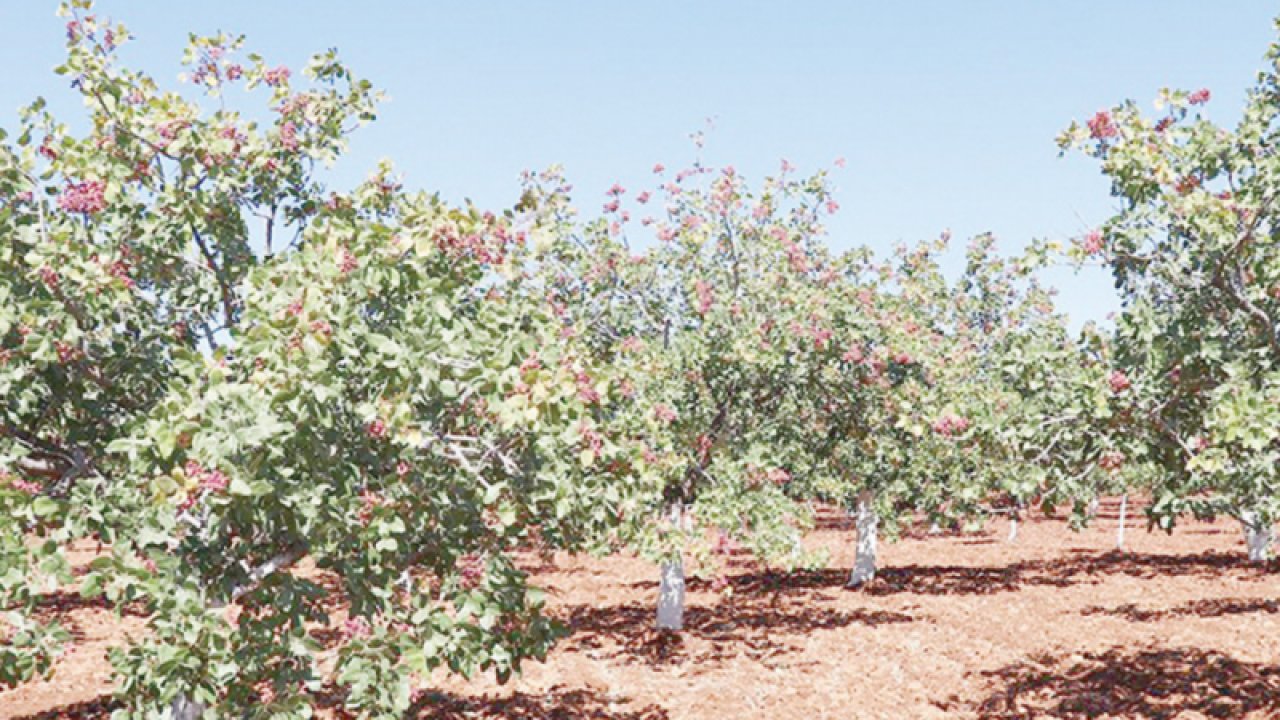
88, 197
355, 627
1199, 97
586, 391
347, 263
706, 297
470, 569
66, 352
276, 76
950, 424
530, 363
289, 136
664, 413
49, 277
208, 481
1111, 461
1093, 242
20, 485
592, 439
1119, 381
1102, 127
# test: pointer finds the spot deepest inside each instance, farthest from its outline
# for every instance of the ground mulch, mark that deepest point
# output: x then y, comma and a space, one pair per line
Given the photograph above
1054, 625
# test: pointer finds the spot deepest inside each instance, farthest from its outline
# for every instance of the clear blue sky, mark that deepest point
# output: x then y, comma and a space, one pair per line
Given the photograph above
945, 111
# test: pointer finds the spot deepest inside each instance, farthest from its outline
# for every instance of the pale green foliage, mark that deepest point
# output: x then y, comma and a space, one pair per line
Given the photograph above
222, 369
1194, 253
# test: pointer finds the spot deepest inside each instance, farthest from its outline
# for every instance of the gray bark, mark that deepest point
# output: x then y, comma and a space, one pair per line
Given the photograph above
1257, 536
868, 523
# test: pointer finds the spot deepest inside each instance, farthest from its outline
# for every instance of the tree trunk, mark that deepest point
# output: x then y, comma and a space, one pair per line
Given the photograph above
1257, 536
864, 563
1013, 525
184, 708
671, 596
1124, 511
671, 581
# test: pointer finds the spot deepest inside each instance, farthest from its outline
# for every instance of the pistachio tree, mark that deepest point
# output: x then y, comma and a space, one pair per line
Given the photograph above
1194, 255
282, 408
969, 399
709, 308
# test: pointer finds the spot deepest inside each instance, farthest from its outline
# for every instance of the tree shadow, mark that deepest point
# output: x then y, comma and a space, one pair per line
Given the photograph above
1083, 566
746, 625
1086, 567
1138, 684
559, 703
1079, 567
100, 707
63, 607
64, 601
1210, 608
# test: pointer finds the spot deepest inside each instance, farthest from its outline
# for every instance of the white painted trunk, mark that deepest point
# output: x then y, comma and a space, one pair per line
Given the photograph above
935, 528
864, 563
1013, 526
1257, 536
1124, 511
184, 708
671, 581
671, 596
1093, 507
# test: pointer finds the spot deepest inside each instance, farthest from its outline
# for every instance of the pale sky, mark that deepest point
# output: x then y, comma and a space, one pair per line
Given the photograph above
945, 111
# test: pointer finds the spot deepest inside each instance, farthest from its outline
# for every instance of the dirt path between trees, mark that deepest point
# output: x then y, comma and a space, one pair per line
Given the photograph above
1054, 625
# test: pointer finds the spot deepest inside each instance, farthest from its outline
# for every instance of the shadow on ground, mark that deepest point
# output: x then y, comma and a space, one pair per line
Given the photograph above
559, 703
1210, 608
1139, 684
756, 626
88, 710
1080, 568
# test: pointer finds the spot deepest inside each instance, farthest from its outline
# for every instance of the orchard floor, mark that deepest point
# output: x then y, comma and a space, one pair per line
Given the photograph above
1053, 625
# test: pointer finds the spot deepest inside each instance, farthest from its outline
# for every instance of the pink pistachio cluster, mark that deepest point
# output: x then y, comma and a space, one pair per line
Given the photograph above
485, 250
470, 568
208, 481
88, 197
590, 437
950, 424
49, 277
587, 392
347, 262
289, 135
1118, 381
1111, 461
664, 413
1199, 97
1093, 242
369, 501
355, 627
20, 484
67, 352
277, 76
530, 363
706, 297
1102, 127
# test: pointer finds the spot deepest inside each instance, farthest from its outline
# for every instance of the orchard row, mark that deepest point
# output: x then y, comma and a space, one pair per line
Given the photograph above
224, 370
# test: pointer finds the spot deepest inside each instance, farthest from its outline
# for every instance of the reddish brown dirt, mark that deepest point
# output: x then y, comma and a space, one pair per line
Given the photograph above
966, 626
